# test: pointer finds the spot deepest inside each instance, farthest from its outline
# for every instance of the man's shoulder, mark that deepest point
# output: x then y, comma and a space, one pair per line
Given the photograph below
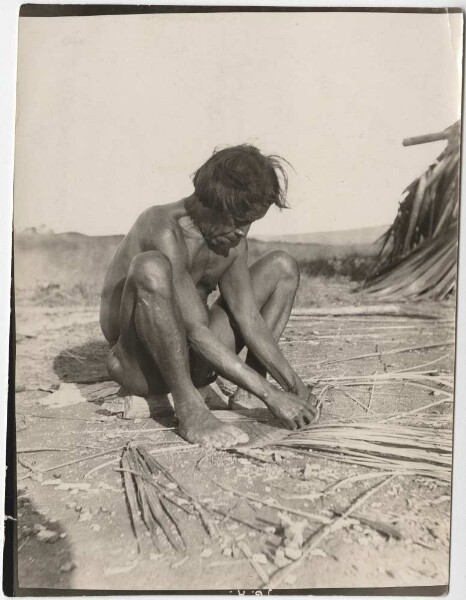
157, 230
154, 215
155, 220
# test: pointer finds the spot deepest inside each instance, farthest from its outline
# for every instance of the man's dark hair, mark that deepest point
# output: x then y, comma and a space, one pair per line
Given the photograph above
240, 181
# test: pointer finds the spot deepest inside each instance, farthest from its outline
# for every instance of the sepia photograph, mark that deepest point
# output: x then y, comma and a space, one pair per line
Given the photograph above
236, 238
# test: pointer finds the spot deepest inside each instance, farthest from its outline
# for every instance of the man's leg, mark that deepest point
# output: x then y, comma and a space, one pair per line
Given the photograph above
275, 280
151, 355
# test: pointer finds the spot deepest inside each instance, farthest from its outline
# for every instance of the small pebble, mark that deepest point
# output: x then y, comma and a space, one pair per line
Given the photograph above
280, 559
67, 567
363, 541
46, 535
85, 516
293, 553
206, 553
62, 536
95, 527
227, 552
260, 558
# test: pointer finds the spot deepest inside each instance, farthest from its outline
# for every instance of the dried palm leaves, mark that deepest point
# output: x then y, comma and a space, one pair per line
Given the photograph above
418, 257
152, 493
398, 448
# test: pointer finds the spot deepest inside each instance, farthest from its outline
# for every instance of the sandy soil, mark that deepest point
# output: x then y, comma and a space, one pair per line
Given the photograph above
95, 547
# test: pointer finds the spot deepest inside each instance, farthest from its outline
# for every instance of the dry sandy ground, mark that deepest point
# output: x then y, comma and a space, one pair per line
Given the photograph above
96, 548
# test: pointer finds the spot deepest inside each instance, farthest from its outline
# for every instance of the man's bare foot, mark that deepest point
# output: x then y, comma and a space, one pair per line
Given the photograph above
201, 427
213, 397
242, 400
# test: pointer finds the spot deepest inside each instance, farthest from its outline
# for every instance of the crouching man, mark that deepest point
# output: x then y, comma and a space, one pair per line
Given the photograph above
154, 312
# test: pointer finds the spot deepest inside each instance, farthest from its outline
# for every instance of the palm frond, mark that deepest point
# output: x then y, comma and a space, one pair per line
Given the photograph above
418, 253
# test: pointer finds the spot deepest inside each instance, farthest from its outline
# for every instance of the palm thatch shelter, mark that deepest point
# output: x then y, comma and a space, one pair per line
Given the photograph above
418, 256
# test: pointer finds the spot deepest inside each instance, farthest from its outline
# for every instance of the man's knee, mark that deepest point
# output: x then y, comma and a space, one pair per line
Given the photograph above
286, 265
151, 271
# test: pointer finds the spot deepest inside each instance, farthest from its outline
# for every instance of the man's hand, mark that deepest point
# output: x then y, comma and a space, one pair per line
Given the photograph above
305, 392
293, 411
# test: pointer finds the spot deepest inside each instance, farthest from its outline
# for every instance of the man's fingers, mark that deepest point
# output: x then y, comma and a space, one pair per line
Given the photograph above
300, 420
308, 416
291, 424
312, 399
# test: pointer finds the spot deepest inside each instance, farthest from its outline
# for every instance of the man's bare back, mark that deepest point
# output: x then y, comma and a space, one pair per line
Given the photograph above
164, 338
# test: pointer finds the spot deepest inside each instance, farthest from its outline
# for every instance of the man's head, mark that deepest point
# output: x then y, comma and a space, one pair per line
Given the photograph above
236, 186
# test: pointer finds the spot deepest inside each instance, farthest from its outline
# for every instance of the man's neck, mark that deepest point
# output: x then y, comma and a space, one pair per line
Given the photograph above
196, 211
193, 206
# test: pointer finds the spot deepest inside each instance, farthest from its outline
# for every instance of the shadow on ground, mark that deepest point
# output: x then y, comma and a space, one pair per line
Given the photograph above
82, 364
41, 564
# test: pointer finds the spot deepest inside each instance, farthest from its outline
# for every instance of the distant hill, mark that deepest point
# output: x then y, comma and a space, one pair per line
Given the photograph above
75, 263
363, 235
66, 259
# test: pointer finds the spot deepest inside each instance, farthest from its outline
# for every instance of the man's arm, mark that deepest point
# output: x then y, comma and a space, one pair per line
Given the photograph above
293, 411
237, 291
195, 318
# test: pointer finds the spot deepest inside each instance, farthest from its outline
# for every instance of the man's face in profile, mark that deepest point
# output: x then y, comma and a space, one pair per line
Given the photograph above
224, 232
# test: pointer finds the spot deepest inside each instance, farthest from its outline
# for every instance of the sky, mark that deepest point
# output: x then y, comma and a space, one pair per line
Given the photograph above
114, 113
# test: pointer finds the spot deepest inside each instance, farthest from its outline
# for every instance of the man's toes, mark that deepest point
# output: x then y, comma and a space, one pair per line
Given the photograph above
217, 443
239, 436
229, 439
223, 442
207, 443
222, 439
225, 439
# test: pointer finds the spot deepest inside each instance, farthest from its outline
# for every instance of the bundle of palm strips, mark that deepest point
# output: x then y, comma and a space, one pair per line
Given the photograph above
418, 256
154, 496
399, 448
